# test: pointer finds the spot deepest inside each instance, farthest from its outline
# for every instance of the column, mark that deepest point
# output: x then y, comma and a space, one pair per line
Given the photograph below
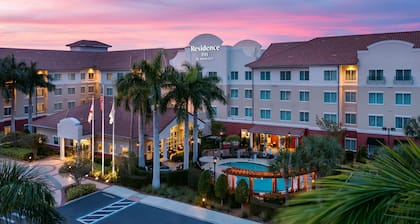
165, 150
62, 148
274, 185
251, 140
251, 185
296, 142
280, 143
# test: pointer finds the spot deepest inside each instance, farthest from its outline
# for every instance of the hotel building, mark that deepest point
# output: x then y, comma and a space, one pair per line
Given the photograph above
366, 83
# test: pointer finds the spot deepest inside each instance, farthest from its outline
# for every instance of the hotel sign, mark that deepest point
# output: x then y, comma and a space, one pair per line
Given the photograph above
204, 51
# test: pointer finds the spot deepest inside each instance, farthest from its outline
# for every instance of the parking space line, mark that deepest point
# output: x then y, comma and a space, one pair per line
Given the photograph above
104, 212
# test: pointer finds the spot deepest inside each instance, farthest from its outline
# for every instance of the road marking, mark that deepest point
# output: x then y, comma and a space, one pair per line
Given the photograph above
104, 212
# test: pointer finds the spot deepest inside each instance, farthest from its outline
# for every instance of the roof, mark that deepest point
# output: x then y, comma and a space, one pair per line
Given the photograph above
123, 125
276, 130
53, 60
89, 43
336, 50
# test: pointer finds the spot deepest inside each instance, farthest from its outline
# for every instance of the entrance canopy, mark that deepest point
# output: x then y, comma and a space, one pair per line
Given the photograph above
275, 130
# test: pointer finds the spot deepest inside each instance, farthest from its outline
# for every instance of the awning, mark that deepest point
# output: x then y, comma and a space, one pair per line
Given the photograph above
375, 141
276, 130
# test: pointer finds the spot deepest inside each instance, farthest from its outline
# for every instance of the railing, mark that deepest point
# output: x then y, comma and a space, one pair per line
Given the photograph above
404, 81
376, 81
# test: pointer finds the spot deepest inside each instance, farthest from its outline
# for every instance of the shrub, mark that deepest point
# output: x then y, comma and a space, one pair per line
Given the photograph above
136, 182
193, 177
275, 198
79, 190
16, 153
179, 157
178, 178
263, 209
221, 188
204, 183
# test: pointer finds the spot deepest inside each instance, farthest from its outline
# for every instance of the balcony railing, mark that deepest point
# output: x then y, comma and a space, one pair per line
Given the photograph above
403, 80
376, 81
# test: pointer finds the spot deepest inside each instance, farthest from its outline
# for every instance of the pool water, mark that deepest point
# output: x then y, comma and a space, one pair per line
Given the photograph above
263, 185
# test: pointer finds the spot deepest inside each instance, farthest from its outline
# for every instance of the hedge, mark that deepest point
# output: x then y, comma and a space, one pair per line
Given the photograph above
136, 182
178, 178
16, 153
79, 190
264, 209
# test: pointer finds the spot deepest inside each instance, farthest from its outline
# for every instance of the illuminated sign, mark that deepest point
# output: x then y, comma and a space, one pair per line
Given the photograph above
205, 48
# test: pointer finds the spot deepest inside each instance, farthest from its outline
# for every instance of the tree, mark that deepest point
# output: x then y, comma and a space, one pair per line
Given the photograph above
134, 92
221, 188
385, 190
11, 73
30, 80
77, 170
242, 193
412, 128
322, 154
25, 192
332, 128
34, 141
155, 77
204, 183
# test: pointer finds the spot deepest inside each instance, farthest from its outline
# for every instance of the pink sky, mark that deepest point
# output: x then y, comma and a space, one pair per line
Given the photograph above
136, 24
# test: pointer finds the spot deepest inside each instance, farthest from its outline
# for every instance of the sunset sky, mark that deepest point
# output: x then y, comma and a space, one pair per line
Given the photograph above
137, 24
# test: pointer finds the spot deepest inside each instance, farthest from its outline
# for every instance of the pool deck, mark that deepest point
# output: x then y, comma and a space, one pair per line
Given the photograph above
220, 167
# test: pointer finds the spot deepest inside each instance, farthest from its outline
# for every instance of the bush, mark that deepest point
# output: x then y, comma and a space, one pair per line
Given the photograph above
179, 157
193, 177
263, 209
178, 178
275, 198
204, 184
107, 161
79, 190
47, 151
16, 153
136, 182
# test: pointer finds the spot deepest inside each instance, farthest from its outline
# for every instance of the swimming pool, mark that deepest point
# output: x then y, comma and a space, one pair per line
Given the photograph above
263, 185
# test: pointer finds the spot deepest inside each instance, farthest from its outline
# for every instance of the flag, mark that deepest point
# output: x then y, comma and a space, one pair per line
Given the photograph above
112, 114
90, 117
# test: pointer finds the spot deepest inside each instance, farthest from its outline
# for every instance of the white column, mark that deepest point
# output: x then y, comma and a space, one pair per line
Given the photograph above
251, 140
62, 147
296, 142
280, 143
165, 150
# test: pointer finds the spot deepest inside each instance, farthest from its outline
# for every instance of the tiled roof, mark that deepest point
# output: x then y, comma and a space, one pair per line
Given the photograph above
88, 43
123, 125
338, 50
78, 60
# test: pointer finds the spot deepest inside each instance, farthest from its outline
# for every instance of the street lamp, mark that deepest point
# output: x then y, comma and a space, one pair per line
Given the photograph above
388, 130
214, 168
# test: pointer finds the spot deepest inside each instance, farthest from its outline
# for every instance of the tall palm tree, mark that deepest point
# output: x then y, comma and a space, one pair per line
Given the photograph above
25, 192
10, 73
31, 79
384, 190
133, 90
155, 76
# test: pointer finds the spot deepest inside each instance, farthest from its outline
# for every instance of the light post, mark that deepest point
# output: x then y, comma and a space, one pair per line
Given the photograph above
388, 130
221, 142
214, 168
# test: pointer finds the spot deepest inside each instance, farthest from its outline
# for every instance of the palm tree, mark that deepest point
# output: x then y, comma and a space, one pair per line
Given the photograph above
133, 90
384, 190
31, 79
412, 128
26, 193
10, 73
155, 76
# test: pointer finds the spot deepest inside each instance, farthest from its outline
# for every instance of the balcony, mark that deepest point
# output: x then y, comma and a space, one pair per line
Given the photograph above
376, 81
405, 80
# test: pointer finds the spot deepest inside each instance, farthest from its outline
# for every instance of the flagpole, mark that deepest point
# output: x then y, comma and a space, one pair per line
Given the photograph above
93, 134
113, 136
103, 130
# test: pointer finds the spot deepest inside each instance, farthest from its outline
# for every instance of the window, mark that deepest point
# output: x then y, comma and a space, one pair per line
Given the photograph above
285, 75
91, 75
403, 98
234, 75
330, 97
82, 89
56, 77
58, 106
248, 94
248, 75
331, 117
212, 74
234, 93
120, 75
108, 76
350, 118
58, 92
304, 75
304, 116
40, 107
7, 111
330, 75
350, 144
403, 74
265, 114
26, 109
71, 76
91, 89
376, 75
265, 75
376, 121
350, 75
7, 130
214, 109
71, 105
401, 122
55, 140
109, 91
285, 115
82, 76
285, 95
265, 95
248, 112
39, 91
71, 91
304, 96
234, 111
376, 98
350, 97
